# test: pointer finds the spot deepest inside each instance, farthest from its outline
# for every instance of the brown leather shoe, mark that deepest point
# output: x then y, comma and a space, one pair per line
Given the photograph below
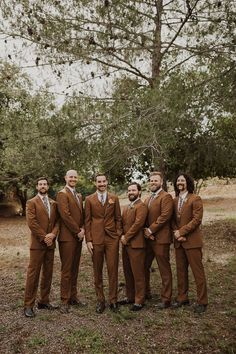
29, 312
47, 307
100, 307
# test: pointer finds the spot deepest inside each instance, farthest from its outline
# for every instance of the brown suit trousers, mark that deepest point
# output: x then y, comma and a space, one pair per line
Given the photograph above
189, 252
160, 211
133, 254
41, 256
70, 247
103, 229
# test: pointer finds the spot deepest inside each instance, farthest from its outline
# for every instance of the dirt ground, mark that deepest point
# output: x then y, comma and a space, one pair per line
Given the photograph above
150, 331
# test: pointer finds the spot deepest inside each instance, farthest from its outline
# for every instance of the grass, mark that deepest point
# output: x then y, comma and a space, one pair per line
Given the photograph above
149, 331
37, 341
85, 339
123, 315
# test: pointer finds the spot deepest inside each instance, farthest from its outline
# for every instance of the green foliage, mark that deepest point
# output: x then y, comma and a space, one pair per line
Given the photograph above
140, 37
173, 99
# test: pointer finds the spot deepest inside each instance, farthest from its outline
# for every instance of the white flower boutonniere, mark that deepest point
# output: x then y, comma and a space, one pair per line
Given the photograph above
111, 201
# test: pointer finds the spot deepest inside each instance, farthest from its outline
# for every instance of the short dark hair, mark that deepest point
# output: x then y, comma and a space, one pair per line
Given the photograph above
156, 173
99, 175
136, 184
42, 178
189, 182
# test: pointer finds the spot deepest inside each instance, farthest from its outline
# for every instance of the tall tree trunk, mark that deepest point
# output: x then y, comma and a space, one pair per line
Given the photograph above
22, 195
156, 56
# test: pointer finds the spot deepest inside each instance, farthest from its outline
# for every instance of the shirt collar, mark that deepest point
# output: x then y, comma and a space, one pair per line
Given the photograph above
104, 194
183, 196
157, 192
43, 196
71, 189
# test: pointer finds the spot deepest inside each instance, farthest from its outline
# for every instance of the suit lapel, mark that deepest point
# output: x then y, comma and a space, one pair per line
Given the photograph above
42, 206
108, 202
52, 207
149, 203
96, 200
72, 197
183, 206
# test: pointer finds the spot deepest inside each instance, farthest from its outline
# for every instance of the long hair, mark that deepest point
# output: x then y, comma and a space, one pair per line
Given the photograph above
189, 181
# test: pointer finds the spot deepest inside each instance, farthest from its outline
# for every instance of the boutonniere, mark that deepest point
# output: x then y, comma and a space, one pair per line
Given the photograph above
111, 201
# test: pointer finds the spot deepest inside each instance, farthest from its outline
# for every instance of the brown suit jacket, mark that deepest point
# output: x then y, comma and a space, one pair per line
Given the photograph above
71, 214
159, 216
40, 223
188, 222
133, 220
102, 220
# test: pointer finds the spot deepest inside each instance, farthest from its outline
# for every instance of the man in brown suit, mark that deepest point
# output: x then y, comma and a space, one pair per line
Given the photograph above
188, 212
42, 219
133, 249
102, 232
159, 237
70, 206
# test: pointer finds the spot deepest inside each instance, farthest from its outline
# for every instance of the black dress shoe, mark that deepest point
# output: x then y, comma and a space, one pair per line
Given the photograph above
136, 307
47, 307
114, 307
100, 307
125, 302
199, 308
163, 305
77, 303
28, 311
64, 308
178, 304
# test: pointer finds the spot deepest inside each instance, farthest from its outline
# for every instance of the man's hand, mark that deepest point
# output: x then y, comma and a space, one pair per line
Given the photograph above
81, 235
178, 237
123, 240
148, 234
182, 239
176, 234
48, 239
90, 247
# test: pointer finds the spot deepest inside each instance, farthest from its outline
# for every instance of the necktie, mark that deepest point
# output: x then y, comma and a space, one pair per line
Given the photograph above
181, 202
151, 198
45, 202
76, 196
102, 199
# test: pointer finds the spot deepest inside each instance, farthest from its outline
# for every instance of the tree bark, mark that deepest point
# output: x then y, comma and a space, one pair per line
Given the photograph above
157, 57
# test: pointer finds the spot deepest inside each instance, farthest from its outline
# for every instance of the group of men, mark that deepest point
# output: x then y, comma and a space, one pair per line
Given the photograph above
145, 230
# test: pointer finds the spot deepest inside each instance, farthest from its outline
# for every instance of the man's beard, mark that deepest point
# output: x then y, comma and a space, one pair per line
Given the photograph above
132, 198
154, 190
43, 192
